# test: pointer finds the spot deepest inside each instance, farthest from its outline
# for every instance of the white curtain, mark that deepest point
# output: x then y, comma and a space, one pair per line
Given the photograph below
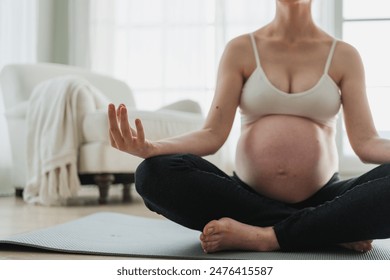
17, 44
79, 45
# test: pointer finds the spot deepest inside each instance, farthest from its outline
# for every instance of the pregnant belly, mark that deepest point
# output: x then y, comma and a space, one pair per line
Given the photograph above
285, 157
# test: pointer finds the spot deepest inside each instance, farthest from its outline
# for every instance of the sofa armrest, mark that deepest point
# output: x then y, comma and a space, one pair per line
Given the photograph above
157, 124
18, 111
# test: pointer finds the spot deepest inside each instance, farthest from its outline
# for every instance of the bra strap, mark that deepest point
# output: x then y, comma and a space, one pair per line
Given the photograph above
330, 56
255, 49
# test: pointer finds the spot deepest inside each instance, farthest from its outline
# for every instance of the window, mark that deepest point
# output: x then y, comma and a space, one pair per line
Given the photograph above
365, 25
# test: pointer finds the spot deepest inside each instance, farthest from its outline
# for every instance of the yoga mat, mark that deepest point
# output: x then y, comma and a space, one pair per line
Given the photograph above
124, 235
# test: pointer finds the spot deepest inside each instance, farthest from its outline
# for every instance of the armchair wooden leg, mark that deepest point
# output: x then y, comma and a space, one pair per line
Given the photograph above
126, 192
103, 181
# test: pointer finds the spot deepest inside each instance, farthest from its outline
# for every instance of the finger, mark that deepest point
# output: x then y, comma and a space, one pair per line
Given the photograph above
133, 131
112, 117
124, 124
118, 113
112, 140
140, 130
115, 133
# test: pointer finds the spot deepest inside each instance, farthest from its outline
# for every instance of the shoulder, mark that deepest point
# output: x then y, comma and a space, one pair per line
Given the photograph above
238, 43
238, 52
347, 62
347, 53
238, 46
349, 70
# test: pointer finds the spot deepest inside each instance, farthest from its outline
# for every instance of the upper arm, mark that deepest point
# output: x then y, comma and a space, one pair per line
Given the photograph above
357, 114
230, 80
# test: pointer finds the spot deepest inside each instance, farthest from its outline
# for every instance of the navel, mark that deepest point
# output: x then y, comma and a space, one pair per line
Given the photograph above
281, 172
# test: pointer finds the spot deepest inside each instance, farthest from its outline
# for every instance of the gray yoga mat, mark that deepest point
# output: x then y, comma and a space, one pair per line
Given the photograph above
123, 235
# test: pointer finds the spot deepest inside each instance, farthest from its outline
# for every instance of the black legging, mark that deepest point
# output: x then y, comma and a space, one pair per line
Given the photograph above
191, 191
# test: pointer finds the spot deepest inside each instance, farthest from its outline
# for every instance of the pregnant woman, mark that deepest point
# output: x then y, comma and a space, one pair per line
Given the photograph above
289, 80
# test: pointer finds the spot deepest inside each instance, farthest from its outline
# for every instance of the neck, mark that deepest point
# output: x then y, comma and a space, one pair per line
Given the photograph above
293, 20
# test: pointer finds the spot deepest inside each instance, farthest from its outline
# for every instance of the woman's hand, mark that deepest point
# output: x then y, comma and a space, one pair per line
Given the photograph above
123, 137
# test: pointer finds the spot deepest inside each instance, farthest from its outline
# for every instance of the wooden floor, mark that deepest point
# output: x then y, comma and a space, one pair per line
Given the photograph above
16, 216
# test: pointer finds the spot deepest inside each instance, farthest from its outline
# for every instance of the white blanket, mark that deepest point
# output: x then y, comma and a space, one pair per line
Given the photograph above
54, 117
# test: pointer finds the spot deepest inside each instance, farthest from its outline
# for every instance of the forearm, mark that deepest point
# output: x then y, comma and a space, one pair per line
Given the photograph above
202, 142
376, 150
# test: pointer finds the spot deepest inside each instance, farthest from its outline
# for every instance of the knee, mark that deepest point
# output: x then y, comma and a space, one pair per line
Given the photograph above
386, 167
161, 172
148, 173
383, 170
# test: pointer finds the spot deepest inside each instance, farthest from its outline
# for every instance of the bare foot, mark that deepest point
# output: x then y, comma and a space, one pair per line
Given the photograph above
360, 246
228, 234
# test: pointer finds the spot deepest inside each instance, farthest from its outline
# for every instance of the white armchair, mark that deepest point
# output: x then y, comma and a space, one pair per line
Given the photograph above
98, 162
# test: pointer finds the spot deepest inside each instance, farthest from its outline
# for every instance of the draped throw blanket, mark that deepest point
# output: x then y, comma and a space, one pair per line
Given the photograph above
54, 117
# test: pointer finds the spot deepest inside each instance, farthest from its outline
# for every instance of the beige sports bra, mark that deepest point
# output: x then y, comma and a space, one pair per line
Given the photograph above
260, 97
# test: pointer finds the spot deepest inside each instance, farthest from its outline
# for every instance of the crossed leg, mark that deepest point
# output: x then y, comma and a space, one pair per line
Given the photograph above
192, 192
228, 234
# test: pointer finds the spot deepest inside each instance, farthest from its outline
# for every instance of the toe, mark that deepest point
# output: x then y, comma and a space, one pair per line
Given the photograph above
210, 228
210, 247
